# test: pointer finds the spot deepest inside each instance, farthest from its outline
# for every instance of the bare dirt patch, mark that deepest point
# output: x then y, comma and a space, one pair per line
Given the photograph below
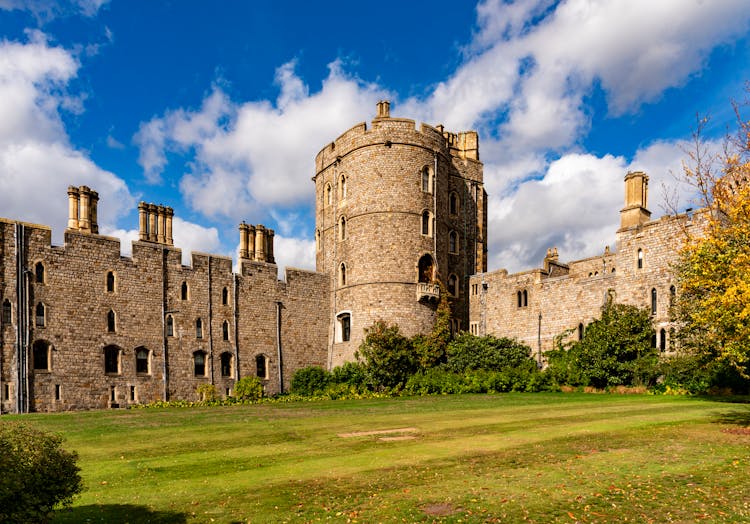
377, 432
737, 431
394, 439
442, 509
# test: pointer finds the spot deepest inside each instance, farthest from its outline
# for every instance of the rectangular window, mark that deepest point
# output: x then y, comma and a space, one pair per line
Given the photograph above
132, 393
57, 391
474, 328
7, 392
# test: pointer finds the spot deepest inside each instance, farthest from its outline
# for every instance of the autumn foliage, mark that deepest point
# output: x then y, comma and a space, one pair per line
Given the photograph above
713, 306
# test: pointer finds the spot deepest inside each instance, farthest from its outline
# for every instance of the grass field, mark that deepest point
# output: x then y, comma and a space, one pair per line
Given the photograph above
485, 458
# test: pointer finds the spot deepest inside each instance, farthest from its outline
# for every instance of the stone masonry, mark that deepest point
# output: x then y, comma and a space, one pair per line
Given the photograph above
401, 217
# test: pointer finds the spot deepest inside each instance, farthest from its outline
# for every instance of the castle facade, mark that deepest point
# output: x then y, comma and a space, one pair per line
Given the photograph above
401, 217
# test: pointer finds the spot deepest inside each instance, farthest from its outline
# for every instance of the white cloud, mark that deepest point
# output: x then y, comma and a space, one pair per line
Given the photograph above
37, 162
46, 10
253, 155
192, 237
294, 252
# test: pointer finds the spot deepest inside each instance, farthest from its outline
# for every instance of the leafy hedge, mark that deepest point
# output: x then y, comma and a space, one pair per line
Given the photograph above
36, 474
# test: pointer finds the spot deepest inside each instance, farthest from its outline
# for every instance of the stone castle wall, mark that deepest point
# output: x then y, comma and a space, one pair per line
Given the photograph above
370, 236
117, 331
264, 317
564, 298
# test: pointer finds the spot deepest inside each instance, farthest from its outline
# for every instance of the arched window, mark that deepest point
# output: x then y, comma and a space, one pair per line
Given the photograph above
342, 228
317, 239
640, 259
453, 242
426, 180
110, 282
112, 360
342, 187
184, 291
580, 331
41, 314
425, 268
39, 273
198, 328
224, 296
344, 321
226, 364
342, 274
329, 195
170, 326
453, 203
111, 321
525, 298
453, 285
261, 366
7, 312
653, 301
426, 223
225, 330
663, 339
519, 299
142, 361
199, 363
40, 354
672, 295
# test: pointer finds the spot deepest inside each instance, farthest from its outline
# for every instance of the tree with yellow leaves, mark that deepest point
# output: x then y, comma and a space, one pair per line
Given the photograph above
712, 309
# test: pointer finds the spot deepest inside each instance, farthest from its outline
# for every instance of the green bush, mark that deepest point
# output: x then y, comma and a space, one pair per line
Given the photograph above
310, 380
388, 356
616, 350
468, 352
36, 474
248, 389
207, 392
351, 373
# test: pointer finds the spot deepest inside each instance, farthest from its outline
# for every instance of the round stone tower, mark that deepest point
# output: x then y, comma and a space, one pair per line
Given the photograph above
400, 219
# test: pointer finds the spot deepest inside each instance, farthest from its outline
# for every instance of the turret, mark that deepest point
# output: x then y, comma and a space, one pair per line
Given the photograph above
635, 211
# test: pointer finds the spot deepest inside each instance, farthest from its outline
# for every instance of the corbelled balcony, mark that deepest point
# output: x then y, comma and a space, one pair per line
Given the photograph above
426, 291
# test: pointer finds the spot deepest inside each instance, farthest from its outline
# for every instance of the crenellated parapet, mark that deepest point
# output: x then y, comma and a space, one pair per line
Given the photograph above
82, 209
155, 224
387, 131
256, 243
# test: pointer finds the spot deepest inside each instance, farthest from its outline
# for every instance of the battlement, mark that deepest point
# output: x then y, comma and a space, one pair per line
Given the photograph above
387, 131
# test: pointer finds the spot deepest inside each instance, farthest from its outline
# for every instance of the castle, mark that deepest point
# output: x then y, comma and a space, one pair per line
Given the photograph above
401, 217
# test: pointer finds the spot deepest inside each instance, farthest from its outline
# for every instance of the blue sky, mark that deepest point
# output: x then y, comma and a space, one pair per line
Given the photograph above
218, 108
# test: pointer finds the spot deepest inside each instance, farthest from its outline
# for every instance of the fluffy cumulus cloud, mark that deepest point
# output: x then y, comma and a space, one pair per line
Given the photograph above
37, 161
248, 156
523, 84
46, 10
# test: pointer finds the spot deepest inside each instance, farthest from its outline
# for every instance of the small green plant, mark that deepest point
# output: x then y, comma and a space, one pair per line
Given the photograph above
248, 389
388, 356
207, 392
36, 474
310, 380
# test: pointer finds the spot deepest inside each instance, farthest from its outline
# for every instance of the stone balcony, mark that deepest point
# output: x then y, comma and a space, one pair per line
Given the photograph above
427, 291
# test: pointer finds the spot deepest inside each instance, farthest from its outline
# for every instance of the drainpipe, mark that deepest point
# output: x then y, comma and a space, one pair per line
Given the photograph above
279, 307
434, 208
165, 356
22, 322
539, 341
210, 322
236, 318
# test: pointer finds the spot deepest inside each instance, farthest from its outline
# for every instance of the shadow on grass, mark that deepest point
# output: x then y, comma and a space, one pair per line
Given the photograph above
737, 417
117, 514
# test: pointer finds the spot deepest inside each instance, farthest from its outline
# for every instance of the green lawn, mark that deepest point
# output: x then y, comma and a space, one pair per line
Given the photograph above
484, 458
